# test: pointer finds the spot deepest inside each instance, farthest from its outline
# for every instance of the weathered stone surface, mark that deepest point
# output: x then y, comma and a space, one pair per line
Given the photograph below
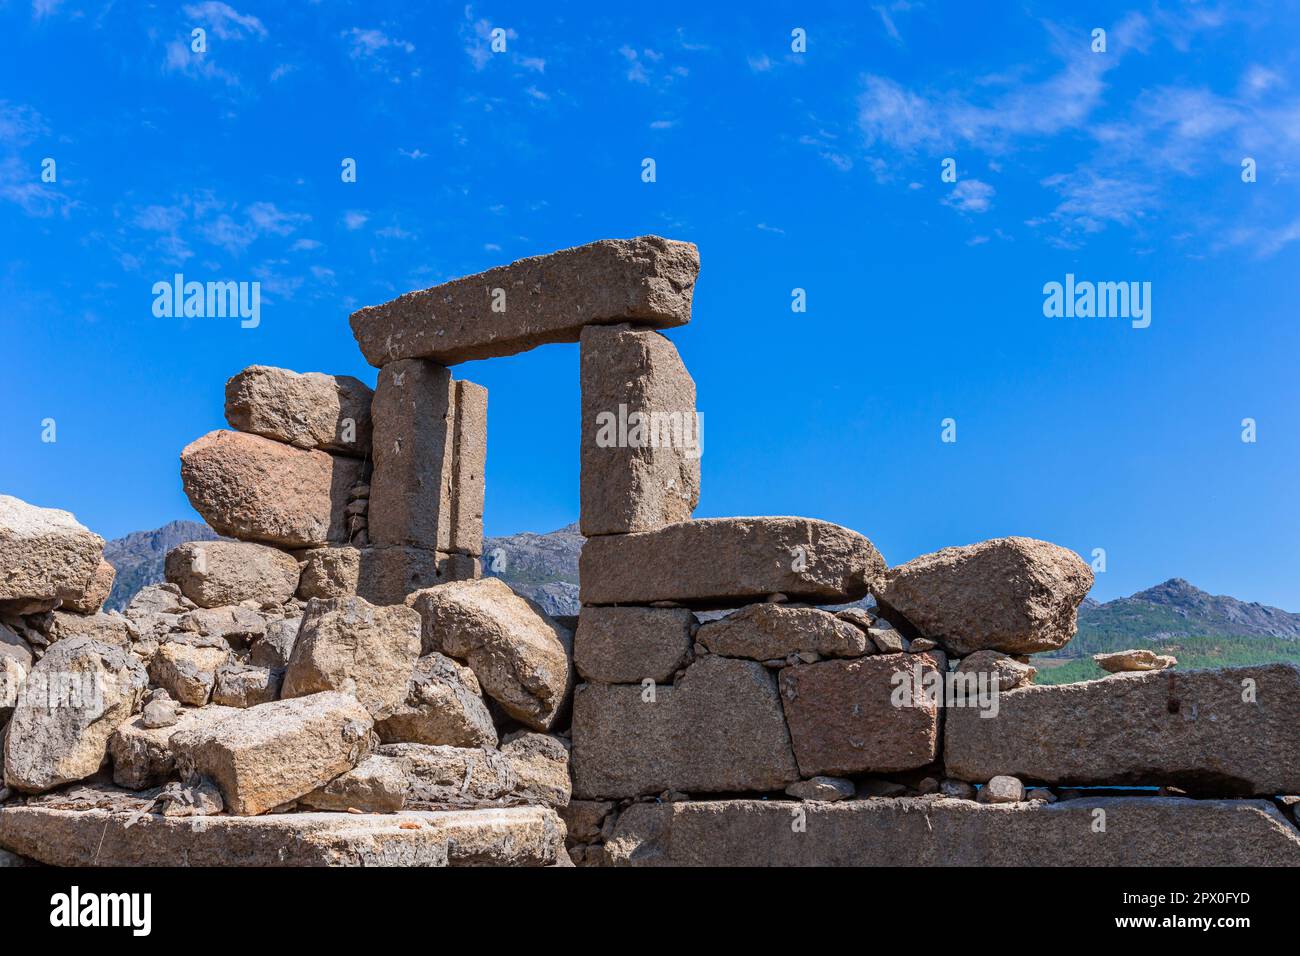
329, 572
376, 785
110, 628
626, 645
198, 798
1016, 595
13, 646
1135, 660
439, 777
887, 640
469, 461
221, 573
1010, 672
275, 648
1189, 729
443, 705
349, 645
269, 755
958, 789
186, 667
844, 719
142, 755
411, 487
822, 788
1002, 789
13, 674
381, 575
519, 836
641, 439
925, 832
45, 554
155, 599
253, 488
763, 632
390, 575
159, 713
720, 729
585, 818
74, 698
647, 281
541, 766
306, 410
242, 685
237, 626
519, 655
98, 588
723, 562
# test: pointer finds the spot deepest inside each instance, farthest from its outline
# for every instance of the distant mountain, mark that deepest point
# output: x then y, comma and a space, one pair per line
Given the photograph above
1175, 609
543, 567
138, 557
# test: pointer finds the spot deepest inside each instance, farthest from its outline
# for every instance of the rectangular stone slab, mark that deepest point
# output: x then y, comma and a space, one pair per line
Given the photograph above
718, 730
912, 831
844, 719
626, 645
411, 486
469, 460
270, 755
518, 836
641, 437
1190, 729
726, 562
388, 575
647, 281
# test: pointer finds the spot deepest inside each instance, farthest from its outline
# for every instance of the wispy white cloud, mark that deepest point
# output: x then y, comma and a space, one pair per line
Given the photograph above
45, 8
1090, 200
886, 13
380, 53
476, 36
20, 177
366, 44
970, 195
224, 21
202, 218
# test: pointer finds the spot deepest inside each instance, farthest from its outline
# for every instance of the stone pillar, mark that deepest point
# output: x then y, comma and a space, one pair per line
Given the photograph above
641, 436
469, 445
410, 490
426, 495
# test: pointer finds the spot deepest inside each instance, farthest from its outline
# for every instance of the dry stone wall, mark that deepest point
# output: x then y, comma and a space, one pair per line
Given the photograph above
338, 685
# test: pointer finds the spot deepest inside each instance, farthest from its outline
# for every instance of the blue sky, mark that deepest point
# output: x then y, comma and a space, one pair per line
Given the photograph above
817, 170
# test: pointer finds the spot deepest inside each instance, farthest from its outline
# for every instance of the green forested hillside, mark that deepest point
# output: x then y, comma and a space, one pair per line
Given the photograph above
1191, 652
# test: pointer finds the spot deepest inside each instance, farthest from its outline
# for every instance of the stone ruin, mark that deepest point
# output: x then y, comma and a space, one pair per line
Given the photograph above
336, 683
